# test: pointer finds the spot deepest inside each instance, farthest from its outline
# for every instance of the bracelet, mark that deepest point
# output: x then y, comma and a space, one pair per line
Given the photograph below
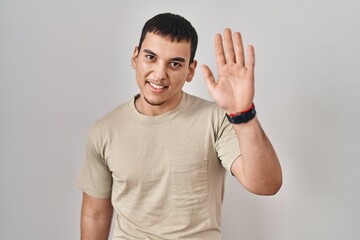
242, 117
235, 114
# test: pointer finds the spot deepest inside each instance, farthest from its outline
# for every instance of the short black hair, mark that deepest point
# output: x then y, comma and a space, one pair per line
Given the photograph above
174, 26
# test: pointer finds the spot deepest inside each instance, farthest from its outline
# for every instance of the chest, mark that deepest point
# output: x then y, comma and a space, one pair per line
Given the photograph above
135, 152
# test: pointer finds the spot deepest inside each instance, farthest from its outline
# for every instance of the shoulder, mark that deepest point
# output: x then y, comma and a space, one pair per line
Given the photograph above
197, 104
109, 121
203, 107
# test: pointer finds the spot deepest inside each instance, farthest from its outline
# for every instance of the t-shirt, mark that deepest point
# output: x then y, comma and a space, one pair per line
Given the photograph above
165, 174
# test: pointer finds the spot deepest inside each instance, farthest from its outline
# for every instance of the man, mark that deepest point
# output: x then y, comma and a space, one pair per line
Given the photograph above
160, 160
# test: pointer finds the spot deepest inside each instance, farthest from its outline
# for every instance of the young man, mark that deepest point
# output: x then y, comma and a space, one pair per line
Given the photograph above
160, 160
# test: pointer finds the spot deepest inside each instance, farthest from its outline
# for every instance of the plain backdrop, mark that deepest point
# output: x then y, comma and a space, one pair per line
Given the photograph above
64, 64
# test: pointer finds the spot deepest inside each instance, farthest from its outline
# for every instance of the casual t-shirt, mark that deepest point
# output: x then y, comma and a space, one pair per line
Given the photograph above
165, 174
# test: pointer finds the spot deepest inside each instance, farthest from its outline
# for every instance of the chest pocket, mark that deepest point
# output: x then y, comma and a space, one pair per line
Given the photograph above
189, 185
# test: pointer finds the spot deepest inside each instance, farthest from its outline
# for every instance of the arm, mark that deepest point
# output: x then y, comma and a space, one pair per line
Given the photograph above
258, 167
96, 216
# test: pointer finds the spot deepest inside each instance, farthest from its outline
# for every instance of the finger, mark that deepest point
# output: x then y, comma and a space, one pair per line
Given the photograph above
219, 51
209, 77
250, 61
239, 48
229, 46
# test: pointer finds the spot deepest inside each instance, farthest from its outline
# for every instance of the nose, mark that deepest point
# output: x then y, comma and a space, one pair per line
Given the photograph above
159, 71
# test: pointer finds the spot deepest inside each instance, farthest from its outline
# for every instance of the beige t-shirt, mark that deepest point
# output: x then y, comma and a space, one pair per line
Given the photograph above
165, 174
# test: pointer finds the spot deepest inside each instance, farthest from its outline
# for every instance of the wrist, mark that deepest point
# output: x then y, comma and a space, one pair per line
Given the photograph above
242, 117
233, 114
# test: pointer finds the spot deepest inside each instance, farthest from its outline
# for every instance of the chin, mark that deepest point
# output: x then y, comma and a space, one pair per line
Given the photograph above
153, 102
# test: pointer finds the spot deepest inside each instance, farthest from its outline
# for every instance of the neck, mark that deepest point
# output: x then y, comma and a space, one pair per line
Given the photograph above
148, 109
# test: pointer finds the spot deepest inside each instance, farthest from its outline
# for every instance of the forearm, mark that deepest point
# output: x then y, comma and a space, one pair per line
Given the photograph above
258, 168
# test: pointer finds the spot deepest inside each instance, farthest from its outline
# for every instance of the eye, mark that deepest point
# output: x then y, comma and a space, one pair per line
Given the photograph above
150, 57
175, 64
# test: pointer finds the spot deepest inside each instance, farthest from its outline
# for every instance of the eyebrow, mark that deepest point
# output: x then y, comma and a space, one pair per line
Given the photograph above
178, 59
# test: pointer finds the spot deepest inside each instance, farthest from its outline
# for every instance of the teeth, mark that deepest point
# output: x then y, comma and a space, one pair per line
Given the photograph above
156, 85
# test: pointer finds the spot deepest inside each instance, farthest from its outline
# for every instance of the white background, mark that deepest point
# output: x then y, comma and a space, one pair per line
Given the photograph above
64, 64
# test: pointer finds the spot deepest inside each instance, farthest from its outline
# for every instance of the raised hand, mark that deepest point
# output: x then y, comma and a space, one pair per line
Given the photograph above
234, 89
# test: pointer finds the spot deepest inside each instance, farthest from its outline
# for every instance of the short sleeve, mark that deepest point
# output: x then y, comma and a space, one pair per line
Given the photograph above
227, 144
94, 177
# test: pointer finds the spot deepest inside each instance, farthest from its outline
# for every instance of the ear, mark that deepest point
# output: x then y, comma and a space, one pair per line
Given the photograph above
135, 57
191, 73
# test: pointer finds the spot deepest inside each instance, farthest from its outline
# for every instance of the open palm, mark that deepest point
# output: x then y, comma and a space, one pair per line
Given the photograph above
233, 91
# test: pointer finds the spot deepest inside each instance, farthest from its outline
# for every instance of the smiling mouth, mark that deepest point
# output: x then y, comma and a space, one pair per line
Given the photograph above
157, 86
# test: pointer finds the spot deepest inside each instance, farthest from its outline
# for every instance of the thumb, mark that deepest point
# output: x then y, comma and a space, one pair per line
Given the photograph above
209, 77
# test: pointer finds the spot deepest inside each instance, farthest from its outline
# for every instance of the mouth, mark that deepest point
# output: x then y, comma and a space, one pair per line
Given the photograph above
157, 87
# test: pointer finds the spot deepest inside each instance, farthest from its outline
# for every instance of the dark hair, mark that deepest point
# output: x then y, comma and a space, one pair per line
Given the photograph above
174, 26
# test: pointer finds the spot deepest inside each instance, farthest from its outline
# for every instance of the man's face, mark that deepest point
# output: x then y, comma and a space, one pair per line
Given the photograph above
162, 68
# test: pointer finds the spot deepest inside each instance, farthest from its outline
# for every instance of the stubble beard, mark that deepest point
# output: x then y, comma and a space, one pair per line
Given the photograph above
152, 103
